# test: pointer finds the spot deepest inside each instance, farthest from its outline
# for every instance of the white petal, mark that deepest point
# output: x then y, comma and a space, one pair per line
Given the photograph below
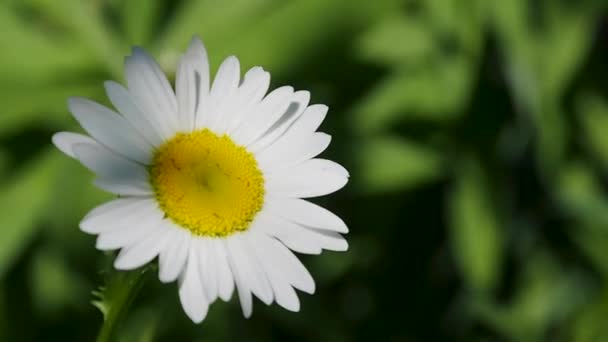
125, 236
207, 268
291, 234
107, 164
191, 292
198, 54
261, 286
141, 252
305, 213
192, 83
110, 129
227, 78
65, 141
286, 263
289, 154
186, 90
131, 229
113, 169
312, 178
297, 105
299, 238
141, 56
331, 241
303, 127
225, 281
310, 120
151, 92
266, 114
172, 258
222, 92
255, 85
284, 294
242, 285
124, 103
122, 188
117, 213
248, 275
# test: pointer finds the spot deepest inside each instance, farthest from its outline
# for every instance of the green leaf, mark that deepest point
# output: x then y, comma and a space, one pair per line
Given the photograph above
476, 233
446, 19
5, 314
280, 38
139, 18
542, 56
388, 164
430, 82
590, 324
546, 295
4, 161
398, 40
34, 56
55, 285
593, 115
44, 105
437, 93
23, 201
85, 22
213, 20
80, 195
567, 41
593, 241
580, 193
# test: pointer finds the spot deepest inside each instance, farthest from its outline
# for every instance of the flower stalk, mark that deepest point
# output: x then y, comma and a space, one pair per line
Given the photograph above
115, 299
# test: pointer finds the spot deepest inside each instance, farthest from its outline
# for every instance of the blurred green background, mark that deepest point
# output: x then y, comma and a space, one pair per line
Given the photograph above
476, 134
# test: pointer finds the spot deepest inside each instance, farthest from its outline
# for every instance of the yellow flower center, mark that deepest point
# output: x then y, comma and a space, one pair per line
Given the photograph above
207, 184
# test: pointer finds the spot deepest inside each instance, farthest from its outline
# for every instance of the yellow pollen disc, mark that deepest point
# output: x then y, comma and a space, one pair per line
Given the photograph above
207, 184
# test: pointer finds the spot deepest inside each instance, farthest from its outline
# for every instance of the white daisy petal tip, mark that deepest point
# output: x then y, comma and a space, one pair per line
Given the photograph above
86, 227
310, 289
196, 47
255, 71
172, 259
139, 52
137, 254
321, 108
65, 142
197, 167
293, 306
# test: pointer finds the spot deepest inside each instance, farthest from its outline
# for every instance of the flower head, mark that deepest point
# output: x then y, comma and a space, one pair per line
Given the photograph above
211, 179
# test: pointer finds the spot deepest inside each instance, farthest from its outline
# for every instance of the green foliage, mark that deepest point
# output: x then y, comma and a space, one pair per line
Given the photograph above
55, 286
139, 20
581, 195
392, 164
547, 295
22, 201
593, 114
397, 40
590, 325
476, 233
474, 132
430, 81
115, 297
542, 56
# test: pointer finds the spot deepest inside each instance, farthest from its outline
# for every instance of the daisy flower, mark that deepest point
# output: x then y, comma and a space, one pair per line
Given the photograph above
211, 179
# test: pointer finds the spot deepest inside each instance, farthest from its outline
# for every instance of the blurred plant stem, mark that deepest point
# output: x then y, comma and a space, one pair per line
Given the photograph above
116, 298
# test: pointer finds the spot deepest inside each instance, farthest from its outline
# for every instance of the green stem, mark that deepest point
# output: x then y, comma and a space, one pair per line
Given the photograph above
115, 300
